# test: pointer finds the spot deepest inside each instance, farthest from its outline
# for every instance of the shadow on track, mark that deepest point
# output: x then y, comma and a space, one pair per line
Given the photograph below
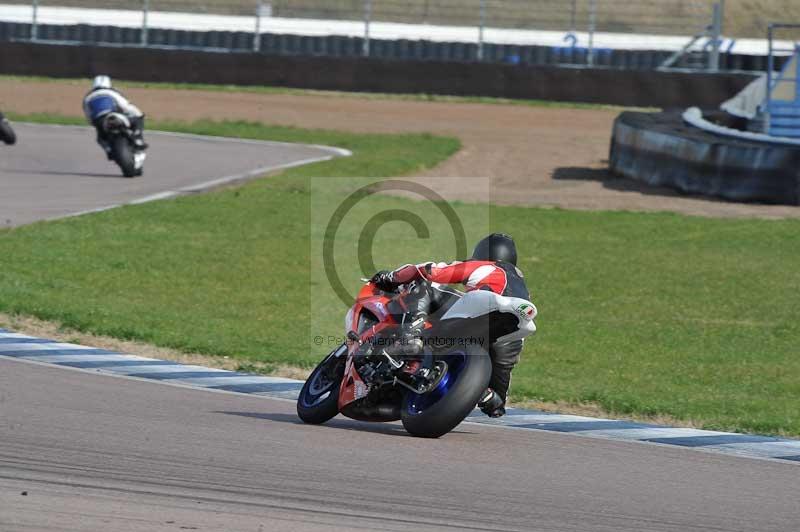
387, 429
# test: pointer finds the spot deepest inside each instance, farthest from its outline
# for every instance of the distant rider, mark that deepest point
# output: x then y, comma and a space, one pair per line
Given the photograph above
104, 99
492, 267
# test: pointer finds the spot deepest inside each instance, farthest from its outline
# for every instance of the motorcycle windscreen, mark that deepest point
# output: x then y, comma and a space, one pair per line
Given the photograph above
100, 106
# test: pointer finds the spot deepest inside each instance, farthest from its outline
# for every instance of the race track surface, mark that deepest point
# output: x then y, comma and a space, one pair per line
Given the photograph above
89, 452
55, 171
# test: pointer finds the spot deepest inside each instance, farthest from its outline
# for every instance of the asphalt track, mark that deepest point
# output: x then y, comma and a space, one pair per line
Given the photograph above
95, 452
56, 171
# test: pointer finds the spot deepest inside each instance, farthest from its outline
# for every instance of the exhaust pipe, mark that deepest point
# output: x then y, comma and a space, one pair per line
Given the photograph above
379, 413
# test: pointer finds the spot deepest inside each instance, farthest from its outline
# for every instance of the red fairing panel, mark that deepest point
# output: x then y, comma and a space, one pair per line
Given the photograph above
374, 301
353, 387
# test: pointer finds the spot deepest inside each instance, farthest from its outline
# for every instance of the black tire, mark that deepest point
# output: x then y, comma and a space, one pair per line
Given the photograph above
313, 406
459, 400
6, 133
122, 151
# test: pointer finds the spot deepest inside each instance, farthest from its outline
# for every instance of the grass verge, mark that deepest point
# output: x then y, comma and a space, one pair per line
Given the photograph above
645, 315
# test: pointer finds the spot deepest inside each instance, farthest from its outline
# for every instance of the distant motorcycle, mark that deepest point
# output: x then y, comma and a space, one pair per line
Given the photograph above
430, 385
118, 131
7, 134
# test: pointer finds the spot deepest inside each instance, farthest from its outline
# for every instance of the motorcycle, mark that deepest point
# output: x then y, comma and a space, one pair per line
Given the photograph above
7, 134
430, 383
123, 150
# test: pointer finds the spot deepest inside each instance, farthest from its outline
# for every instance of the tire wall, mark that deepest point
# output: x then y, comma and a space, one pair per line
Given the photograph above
396, 49
659, 149
599, 85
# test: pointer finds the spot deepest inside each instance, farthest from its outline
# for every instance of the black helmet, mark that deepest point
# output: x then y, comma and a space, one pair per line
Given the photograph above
497, 246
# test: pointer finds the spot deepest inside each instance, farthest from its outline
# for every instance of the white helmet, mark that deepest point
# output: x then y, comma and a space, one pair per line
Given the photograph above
101, 82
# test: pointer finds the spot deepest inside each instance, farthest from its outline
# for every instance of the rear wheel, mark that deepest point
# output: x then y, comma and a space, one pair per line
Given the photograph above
440, 410
123, 155
7, 134
319, 399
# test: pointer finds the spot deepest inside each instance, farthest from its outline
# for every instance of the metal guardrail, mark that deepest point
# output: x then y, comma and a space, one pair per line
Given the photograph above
578, 20
673, 17
782, 111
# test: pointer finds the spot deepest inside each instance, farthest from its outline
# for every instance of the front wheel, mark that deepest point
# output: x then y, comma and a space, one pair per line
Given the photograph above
123, 155
440, 410
319, 399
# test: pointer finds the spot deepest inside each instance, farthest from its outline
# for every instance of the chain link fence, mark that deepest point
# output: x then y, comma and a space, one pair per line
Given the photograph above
678, 17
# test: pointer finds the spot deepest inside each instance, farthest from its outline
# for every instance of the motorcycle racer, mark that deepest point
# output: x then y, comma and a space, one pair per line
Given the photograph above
492, 267
103, 99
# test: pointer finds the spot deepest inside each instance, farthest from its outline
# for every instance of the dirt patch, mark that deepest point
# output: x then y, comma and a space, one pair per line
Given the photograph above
532, 155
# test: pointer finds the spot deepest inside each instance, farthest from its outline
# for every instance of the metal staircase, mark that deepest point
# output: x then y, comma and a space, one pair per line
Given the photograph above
707, 56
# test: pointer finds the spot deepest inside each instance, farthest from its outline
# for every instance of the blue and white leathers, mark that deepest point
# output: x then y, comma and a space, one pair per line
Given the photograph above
100, 102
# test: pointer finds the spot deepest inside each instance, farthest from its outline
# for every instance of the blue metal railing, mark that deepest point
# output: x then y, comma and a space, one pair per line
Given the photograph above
782, 115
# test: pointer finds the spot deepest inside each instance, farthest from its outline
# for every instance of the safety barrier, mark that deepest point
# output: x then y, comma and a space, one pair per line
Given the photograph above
598, 85
661, 149
340, 46
694, 117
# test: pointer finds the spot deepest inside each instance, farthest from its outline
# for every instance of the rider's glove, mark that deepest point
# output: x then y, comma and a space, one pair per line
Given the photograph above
384, 280
492, 404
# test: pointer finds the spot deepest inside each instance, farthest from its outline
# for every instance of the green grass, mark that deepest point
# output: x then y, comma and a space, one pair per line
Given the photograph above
642, 314
259, 89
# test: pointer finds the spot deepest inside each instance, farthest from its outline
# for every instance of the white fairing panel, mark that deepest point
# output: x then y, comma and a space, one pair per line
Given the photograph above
348, 321
339, 351
481, 302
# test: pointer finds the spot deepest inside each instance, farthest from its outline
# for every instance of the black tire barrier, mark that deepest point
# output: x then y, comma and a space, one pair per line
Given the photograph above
340, 46
661, 150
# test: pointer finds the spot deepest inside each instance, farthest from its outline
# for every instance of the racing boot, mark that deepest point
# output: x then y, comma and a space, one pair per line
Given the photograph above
137, 132
138, 141
408, 343
411, 339
492, 404
419, 304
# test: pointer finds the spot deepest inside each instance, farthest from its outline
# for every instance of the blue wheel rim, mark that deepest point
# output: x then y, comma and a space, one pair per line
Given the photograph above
309, 399
418, 403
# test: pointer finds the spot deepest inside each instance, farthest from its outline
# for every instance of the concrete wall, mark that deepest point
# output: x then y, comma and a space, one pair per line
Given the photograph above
609, 86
